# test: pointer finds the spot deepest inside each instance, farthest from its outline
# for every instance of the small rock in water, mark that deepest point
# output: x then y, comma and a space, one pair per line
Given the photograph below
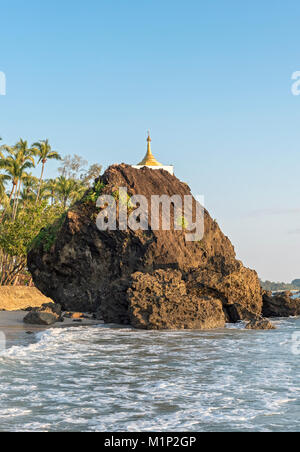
260, 324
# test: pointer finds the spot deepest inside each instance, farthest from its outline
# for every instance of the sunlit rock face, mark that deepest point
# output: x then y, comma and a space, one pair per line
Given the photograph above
112, 272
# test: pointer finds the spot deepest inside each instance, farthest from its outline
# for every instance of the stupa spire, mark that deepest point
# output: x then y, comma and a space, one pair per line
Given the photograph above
149, 159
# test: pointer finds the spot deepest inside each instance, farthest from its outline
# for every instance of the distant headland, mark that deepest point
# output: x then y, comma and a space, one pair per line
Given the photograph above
274, 286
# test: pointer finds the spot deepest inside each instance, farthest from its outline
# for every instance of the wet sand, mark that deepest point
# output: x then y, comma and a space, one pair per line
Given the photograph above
18, 333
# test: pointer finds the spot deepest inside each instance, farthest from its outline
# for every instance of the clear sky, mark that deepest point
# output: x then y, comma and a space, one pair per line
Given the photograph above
211, 79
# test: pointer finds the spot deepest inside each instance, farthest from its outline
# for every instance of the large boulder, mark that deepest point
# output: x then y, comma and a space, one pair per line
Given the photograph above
90, 270
53, 308
47, 314
160, 301
40, 318
280, 305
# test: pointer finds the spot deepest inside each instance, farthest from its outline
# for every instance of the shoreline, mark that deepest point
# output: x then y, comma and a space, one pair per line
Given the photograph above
18, 333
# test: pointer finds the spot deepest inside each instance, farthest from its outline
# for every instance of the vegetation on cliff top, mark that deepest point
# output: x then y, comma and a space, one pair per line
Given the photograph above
47, 235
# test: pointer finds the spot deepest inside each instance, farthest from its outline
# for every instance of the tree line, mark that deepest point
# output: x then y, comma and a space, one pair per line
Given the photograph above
29, 203
276, 286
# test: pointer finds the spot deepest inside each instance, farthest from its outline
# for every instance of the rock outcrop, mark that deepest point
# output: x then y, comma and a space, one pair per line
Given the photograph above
262, 324
47, 314
53, 308
280, 305
40, 318
160, 301
150, 279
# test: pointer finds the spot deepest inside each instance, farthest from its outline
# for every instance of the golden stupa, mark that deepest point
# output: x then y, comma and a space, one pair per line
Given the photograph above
151, 162
149, 159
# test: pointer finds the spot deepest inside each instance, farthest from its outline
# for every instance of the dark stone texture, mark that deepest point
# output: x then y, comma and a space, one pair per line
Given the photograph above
40, 318
280, 305
91, 270
261, 324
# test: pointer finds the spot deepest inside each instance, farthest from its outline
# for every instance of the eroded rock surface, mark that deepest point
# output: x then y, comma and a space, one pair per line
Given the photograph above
280, 305
160, 301
47, 314
261, 324
40, 318
114, 272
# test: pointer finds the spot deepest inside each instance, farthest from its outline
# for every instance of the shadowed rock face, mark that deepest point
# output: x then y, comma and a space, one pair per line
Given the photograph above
40, 318
280, 305
91, 270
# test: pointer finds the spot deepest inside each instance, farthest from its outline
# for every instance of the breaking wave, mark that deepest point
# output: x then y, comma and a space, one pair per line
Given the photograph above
107, 378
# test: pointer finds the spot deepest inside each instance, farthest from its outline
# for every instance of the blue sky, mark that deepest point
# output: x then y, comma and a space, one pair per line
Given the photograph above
212, 80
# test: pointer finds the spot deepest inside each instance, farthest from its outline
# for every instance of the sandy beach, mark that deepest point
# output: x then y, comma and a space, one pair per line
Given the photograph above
20, 297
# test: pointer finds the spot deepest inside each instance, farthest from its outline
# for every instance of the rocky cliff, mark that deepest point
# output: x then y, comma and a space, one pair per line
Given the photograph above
149, 279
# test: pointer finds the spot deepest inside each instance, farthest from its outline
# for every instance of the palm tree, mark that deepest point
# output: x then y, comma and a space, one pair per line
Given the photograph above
27, 193
18, 160
3, 178
25, 155
31, 183
1, 155
69, 190
11, 171
45, 152
26, 196
45, 193
6, 165
30, 187
51, 185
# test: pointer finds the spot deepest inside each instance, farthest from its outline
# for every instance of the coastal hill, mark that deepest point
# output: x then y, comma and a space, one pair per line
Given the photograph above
149, 279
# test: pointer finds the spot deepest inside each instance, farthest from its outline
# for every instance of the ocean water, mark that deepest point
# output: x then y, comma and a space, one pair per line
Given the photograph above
106, 378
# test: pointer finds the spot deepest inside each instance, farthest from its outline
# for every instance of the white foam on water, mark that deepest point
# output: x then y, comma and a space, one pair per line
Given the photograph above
119, 379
